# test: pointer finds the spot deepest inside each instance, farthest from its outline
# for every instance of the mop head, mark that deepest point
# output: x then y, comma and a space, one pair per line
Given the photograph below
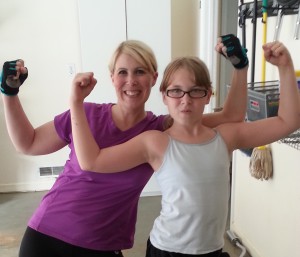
261, 166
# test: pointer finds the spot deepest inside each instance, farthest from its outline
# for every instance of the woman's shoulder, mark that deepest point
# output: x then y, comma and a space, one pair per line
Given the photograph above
155, 121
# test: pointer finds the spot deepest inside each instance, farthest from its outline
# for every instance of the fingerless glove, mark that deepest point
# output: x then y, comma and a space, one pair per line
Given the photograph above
236, 54
8, 85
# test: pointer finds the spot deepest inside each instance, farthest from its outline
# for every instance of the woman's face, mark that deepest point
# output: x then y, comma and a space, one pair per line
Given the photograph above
132, 81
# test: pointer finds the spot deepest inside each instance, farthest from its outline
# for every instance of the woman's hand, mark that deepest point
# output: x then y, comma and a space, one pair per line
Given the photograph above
13, 75
230, 46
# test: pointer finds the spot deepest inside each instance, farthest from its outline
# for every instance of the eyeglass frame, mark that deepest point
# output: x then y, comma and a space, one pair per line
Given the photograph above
187, 92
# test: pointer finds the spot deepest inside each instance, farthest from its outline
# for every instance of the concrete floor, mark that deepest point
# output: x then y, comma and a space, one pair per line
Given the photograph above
16, 209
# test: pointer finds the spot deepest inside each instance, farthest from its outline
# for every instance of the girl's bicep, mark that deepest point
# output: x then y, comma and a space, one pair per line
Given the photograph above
252, 134
122, 157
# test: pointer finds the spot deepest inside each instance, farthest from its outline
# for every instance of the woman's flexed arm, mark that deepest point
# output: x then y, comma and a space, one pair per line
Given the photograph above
25, 138
235, 105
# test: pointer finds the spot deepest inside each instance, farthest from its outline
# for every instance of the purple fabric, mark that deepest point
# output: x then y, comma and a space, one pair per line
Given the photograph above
94, 210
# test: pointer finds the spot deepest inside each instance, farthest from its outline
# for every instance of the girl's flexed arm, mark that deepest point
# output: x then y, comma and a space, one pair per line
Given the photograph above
85, 145
112, 159
289, 109
265, 131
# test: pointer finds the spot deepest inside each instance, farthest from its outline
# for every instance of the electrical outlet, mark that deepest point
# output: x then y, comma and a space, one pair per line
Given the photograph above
71, 69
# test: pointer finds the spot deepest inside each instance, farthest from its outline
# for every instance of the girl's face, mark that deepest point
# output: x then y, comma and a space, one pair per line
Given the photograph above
132, 81
186, 108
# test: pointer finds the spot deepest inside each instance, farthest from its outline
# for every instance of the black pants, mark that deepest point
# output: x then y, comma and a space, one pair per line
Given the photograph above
152, 251
36, 244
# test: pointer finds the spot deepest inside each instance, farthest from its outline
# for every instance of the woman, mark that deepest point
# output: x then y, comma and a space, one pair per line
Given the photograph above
87, 213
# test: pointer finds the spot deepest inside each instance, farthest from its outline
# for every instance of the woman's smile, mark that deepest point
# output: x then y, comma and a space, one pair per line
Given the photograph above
132, 93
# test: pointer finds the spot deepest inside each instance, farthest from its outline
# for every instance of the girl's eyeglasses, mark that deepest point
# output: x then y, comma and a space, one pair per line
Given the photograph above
194, 93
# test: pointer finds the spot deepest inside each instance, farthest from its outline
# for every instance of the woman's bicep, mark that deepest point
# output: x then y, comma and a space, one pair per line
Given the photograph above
46, 140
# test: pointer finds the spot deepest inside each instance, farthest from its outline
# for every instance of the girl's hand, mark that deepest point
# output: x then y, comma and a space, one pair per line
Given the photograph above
277, 54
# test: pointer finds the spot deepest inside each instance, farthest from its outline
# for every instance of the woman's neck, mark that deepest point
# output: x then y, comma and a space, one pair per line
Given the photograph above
124, 119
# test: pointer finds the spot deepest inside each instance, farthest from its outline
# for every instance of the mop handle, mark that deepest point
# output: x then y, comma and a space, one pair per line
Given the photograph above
264, 41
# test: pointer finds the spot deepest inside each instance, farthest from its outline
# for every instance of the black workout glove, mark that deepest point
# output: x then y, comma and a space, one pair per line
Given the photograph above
8, 85
235, 52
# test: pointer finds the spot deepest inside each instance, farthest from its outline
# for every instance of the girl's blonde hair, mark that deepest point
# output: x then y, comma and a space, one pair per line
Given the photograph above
193, 64
138, 50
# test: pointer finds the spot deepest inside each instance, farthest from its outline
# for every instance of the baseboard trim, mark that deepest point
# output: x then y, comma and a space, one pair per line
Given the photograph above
150, 193
46, 185
27, 187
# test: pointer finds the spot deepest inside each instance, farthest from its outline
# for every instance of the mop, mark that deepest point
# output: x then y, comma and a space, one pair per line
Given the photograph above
261, 164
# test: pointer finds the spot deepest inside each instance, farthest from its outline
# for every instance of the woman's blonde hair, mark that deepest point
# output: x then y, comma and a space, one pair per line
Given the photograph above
138, 50
193, 64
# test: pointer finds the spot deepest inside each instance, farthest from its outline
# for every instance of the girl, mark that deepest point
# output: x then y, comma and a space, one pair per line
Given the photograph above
191, 160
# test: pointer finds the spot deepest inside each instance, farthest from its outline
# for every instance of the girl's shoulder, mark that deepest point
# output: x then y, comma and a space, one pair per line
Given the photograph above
154, 135
155, 143
155, 139
233, 134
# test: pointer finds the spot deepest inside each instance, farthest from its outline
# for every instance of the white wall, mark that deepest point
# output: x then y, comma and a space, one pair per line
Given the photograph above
266, 214
45, 34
